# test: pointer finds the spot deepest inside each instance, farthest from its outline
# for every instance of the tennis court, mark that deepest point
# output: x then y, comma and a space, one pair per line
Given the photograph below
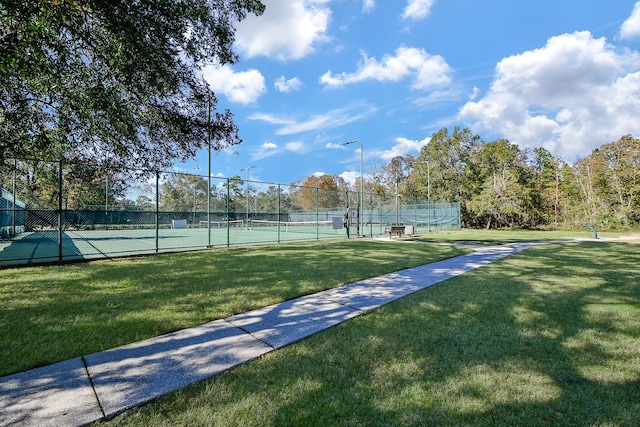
95, 212
69, 245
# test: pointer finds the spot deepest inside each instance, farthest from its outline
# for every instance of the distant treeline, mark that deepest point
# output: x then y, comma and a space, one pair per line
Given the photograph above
497, 184
501, 185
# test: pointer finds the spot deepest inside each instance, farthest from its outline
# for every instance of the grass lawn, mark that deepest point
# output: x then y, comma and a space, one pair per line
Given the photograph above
495, 237
550, 336
54, 313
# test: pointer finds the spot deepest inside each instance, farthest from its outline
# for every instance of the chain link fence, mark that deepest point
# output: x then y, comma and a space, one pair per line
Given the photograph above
64, 211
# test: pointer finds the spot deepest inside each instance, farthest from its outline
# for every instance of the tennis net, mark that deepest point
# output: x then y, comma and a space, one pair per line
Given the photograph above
223, 224
290, 226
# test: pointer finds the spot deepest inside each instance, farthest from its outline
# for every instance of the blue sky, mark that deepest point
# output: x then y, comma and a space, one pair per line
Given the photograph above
562, 74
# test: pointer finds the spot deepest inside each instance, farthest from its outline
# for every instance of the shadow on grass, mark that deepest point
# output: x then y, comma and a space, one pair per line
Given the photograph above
550, 336
54, 313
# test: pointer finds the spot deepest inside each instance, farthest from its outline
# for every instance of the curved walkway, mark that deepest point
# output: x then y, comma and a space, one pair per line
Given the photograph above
87, 389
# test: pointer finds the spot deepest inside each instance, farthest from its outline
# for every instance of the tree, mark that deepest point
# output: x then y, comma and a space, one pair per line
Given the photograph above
84, 186
623, 176
570, 200
273, 200
114, 79
233, 186
326, 191
449, 172
396, 172
448, 157
548, 178
184, 193
590, 180
502, 196
144, 203
88, 186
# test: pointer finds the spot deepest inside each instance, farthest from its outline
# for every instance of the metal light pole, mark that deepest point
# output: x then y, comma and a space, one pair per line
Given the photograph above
247, 190
361, 184
397, 201
428, 196
209, 169
428, 193
428, 182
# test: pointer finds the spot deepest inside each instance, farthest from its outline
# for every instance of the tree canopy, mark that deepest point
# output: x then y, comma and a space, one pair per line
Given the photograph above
499, 184
324, 191
114, 79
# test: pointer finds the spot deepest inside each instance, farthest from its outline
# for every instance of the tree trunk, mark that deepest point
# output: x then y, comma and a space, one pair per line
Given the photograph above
488, 227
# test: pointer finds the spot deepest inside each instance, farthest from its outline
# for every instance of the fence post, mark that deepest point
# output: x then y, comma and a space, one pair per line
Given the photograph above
157, 210
209, 202
348, 202
380, 224
209, 169
60, 218
106, 199
451, 216
13, 218
279, 211
228, 212
317, 216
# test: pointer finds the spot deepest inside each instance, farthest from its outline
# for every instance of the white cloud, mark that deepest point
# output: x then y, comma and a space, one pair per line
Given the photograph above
288, 29
297, 147
285, 86
334, 146
351, 177
439, 96
368, 5
403, 147
267, 149
428, 70
474, 94
243, 87
417, 9
631, 27
271, 119
331, 119
570, 96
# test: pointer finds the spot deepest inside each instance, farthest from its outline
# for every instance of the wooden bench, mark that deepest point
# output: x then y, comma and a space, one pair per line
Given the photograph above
398, 230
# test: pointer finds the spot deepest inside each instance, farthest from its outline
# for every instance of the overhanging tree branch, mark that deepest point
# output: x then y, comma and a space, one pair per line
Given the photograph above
121, 74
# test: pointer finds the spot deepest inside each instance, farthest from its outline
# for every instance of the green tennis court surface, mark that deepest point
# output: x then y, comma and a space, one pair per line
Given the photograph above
52, 246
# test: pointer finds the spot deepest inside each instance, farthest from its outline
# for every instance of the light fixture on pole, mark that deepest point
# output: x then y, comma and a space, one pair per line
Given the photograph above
361, 183
247, 191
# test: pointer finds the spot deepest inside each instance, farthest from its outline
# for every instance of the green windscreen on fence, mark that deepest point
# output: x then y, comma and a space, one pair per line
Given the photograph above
60, 211
12, 214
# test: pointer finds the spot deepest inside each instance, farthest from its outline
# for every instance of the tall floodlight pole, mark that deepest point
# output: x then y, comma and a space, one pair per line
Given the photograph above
428, 192
397, 204
360, 214
428, 182
209, 169
247, 190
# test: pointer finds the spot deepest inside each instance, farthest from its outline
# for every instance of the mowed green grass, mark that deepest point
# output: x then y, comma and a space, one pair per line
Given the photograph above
53, 313
550, 336
494, 237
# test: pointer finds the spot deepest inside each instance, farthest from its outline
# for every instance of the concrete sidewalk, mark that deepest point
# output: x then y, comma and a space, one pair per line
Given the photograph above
83, 390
